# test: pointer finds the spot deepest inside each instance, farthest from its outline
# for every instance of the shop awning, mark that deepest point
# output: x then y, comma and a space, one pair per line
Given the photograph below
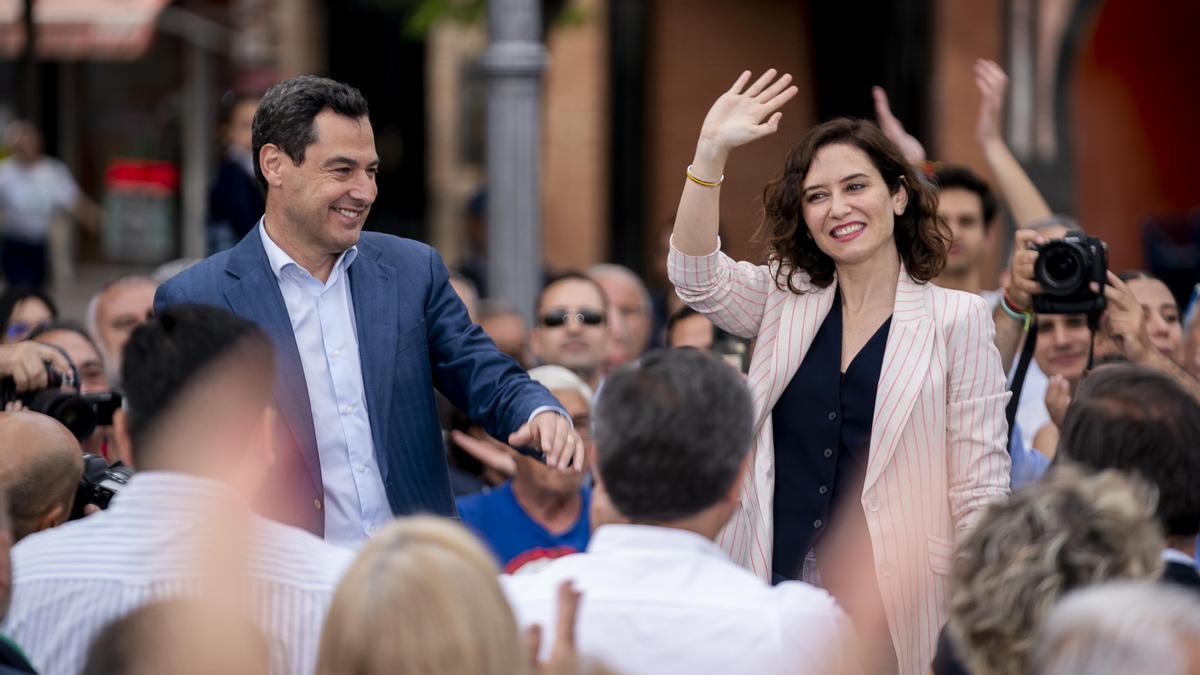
81, 29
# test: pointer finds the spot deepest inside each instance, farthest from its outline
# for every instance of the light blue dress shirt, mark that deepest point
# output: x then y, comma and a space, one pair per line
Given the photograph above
322, 316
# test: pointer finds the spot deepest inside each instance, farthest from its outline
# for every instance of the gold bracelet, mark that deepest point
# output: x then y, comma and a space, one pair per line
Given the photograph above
706, 183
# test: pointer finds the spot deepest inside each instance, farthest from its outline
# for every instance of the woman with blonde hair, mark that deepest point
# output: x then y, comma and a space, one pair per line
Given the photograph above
1069, 530
423, 598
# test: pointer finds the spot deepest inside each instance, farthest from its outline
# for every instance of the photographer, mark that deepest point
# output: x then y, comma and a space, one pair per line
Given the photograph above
40, 466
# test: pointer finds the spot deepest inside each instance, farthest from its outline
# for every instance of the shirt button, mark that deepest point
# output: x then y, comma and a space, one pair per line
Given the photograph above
828, 452
317, 504
360, 467
337, 353
822, 489
887, 569
347, 409
817, 523
832, 416
873, 504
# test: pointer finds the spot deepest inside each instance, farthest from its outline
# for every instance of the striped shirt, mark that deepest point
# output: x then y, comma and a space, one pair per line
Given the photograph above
71, 581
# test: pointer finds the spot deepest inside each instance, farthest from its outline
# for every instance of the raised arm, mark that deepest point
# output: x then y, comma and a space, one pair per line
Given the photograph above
742, 114
891, 126
1023, 200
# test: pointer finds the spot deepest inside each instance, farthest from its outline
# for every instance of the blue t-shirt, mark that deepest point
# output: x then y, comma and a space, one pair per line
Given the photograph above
514, 537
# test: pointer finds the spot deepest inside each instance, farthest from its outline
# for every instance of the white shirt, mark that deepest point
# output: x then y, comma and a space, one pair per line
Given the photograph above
1031, 410
322, 316
664, 600
69, 582
31, 195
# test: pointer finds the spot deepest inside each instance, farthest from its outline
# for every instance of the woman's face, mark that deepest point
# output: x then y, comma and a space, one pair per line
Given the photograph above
1062, 345
1162, 316
26, 315
847, 207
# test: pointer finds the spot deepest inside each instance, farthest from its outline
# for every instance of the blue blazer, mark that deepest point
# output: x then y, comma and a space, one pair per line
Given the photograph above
413, 334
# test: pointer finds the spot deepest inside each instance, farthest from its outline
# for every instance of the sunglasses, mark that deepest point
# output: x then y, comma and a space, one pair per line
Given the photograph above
586, 317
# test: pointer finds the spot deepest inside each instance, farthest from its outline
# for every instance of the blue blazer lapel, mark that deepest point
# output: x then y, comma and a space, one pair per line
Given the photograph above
255, 295
375, 289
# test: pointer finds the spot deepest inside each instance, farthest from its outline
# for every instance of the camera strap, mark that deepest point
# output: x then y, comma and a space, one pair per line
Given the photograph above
1010, 412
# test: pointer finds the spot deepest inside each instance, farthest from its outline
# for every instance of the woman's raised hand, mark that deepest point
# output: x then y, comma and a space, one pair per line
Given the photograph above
992, 84
744, 114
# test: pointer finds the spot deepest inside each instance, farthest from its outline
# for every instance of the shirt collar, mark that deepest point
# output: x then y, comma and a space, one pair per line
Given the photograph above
280, 260
1172, 555
171, 490
622, 537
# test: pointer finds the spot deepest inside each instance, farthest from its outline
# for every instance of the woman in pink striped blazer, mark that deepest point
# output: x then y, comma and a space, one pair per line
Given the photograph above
834, 480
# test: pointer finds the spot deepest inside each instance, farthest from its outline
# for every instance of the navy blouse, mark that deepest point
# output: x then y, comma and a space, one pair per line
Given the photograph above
822, 426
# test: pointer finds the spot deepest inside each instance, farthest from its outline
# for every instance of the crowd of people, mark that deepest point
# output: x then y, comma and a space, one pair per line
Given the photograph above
320, 451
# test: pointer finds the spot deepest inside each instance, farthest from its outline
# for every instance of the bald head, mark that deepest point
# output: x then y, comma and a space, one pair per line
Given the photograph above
40, 467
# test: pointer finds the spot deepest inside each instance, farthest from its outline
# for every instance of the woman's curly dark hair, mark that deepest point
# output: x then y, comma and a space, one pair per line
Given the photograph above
921, 239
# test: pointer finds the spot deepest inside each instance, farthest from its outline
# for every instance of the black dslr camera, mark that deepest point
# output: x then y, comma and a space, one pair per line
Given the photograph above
100, 481
80, 413
1066, 269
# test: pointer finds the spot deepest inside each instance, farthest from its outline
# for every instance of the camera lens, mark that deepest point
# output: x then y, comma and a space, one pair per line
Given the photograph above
74, 412
1060, 269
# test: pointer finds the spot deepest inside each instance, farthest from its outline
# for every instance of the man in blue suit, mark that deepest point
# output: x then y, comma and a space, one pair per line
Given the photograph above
365, 325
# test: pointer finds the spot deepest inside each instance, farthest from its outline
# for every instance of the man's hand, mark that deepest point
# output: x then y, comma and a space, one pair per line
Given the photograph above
1021, 286
992, 84
1058, 399
551, 432
25, 362
1124, 320
563, 658
489, 451
912, 149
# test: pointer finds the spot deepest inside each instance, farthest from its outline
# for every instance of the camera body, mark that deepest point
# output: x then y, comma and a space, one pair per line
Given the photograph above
1066, 268
99, 482
731, 349
80, 413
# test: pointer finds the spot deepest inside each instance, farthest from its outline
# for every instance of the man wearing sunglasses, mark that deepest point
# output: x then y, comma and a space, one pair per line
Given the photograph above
571, 329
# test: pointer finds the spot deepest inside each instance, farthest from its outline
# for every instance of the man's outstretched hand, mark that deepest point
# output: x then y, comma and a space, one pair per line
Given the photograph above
551, 432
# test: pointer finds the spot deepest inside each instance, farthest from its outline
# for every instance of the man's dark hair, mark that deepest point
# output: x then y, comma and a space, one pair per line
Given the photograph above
571, 275
671, 431
960, 177
286, 112
679, 315
13, 296
1140, 421
165, 354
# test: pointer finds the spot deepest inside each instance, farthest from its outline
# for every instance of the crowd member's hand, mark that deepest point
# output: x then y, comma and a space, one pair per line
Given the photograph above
992, 84
1124, 320
25, 362
737, 116
1058, 398
563, 658
891, 126
1020, 285
489, 451
551, 432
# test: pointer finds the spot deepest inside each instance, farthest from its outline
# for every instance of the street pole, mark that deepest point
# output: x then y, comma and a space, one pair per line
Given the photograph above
513, 65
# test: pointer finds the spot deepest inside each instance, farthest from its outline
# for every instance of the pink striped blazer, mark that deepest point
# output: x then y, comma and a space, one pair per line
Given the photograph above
937, 454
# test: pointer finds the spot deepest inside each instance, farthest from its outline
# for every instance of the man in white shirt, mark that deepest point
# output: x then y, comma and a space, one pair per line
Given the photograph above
34, 190
196, 421
672, 434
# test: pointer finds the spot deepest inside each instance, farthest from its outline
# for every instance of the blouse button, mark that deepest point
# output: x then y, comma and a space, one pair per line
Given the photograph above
817, 523
832, 416
828, 452
822, 489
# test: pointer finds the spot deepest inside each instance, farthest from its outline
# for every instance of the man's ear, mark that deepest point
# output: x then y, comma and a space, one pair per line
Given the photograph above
270, 160
123, 446
55, 516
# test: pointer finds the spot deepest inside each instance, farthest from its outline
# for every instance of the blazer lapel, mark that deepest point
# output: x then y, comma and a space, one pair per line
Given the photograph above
374, 287
905, 364
256, 296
